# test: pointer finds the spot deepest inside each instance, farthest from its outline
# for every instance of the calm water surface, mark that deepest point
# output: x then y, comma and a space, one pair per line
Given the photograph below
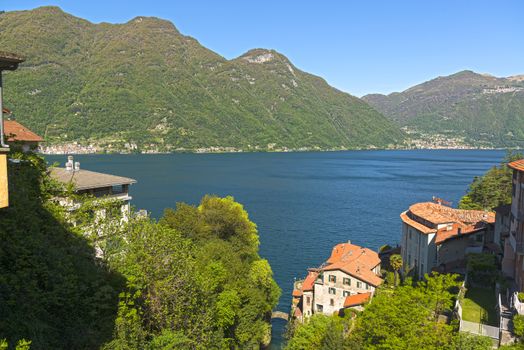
303, 203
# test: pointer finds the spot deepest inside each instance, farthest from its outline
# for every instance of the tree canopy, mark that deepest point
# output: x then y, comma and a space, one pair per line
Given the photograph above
193, 280
492, 189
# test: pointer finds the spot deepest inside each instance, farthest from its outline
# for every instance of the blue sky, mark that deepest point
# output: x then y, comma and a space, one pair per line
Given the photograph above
357, 46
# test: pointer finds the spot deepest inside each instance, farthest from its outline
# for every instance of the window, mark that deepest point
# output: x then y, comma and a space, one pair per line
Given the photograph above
332, 291
346, 293
320, 308
332, 278
308, 300
359, 284
479, 238
332, 302
367, 286
346, 281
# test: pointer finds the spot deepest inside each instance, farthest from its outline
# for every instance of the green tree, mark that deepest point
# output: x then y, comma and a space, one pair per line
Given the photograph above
439, 290
518, 326
318, 332
396, 263
493, 188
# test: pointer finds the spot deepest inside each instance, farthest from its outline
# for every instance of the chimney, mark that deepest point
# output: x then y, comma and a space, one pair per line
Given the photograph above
69, 164
77, 166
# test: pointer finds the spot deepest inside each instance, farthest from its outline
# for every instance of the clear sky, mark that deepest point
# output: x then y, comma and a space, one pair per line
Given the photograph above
358, 46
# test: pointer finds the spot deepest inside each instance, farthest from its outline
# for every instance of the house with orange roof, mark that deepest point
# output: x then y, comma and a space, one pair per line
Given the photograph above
19, 136
513, 261
347, 279
438, 237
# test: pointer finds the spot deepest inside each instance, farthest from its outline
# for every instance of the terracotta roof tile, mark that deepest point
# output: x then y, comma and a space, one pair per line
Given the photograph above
14, 131
441, 214
517, 165
309, 282
357, 261
425, 217
357, 299
422, 228
444, 234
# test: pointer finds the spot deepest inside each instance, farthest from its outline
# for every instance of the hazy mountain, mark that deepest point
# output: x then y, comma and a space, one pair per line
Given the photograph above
145, 82
483, 108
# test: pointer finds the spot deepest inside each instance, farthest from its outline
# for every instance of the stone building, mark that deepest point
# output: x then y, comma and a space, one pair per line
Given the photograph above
438, 237
347, 279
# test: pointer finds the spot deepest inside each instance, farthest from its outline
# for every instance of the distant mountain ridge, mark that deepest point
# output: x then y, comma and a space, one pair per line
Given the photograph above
143, 84
484, 109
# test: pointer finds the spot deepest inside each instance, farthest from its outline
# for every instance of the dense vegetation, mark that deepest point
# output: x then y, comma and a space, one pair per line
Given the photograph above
403, 317
465, 104
143, 82
194, 280
493, 188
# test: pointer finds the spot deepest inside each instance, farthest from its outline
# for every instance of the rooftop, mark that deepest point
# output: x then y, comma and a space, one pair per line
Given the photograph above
309, 282
427, 216
14, 131
356, 261
441, 214
10, 61
85, 179
357, 299
517, 165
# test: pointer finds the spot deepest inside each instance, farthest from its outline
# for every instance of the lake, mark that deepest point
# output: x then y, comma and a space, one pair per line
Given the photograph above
303, 203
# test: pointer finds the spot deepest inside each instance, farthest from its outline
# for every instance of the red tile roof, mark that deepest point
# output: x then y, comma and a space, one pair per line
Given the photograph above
356, 261
357, 299
422, 228
15, 131
517, 165
441, 214
444, 234
309, 282
425, 217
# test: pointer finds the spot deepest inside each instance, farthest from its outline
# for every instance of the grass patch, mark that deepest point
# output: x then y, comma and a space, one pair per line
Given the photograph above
479, 306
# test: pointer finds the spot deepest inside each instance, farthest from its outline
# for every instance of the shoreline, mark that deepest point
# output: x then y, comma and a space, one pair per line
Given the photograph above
281, 151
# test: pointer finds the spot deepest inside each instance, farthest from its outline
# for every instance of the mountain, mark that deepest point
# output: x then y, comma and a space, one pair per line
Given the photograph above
145, 83
483, 109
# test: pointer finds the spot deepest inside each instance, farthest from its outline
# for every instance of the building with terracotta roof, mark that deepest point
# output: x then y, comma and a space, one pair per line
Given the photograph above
347, 279
438, 237
513, 261
18, 135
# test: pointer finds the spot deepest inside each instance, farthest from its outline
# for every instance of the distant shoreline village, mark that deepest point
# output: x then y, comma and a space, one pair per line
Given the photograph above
77, 148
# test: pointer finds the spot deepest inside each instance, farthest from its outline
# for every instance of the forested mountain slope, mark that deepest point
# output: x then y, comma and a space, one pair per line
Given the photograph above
145, 83
486, 110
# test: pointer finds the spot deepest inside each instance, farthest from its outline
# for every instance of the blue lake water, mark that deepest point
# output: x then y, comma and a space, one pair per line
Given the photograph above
303, 203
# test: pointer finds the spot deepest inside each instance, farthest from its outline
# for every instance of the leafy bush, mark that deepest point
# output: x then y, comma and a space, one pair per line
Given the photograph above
520, 295
482, 268
518, 326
